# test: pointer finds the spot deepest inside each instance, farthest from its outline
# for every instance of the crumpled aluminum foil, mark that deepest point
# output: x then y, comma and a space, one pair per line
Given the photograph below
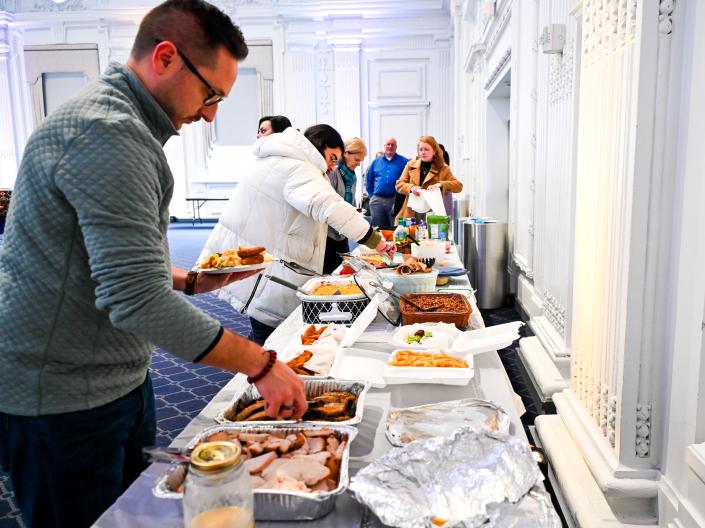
534, 510
457, 480
442, 419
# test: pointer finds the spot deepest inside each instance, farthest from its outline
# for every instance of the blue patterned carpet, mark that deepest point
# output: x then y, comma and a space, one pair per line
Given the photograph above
182, 389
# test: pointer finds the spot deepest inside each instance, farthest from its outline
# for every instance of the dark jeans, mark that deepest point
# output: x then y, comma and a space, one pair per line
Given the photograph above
260, 331
331, 259
67, 469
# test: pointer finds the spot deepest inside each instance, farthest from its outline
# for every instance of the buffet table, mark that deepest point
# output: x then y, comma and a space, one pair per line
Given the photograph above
137, 507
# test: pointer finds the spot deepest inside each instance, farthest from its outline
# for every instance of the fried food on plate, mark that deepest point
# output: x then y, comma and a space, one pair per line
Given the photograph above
255, 259
244, 252
412, 358
297, 364
311, 335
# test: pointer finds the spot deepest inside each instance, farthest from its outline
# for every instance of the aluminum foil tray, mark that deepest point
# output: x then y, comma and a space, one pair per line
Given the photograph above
313, 387
456, 480
276, 505
442, 419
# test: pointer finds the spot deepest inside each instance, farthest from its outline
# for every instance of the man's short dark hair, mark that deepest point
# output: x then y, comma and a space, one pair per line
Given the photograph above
196, 27
323, 137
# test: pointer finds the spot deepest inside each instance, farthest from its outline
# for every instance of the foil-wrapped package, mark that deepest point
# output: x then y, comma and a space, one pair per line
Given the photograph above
441, 419
457, 480
534, 510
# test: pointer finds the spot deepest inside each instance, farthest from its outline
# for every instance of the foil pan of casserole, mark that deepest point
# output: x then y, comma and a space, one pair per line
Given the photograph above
279, 504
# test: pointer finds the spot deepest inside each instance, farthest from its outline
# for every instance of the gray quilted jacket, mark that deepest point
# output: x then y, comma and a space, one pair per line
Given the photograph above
85, 277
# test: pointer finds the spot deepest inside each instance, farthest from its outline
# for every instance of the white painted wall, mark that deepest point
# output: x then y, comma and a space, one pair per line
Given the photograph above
381, 74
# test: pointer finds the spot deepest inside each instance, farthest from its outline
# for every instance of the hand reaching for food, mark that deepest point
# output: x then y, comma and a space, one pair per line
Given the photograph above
386, 248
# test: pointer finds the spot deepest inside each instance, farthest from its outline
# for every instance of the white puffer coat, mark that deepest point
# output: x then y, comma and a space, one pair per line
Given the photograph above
285, 204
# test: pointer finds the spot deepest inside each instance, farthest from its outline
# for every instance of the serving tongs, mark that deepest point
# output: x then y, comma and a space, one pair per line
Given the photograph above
298, 268
166, 454
402, 298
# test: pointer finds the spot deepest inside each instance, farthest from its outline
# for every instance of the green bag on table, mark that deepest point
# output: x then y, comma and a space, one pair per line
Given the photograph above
437, 224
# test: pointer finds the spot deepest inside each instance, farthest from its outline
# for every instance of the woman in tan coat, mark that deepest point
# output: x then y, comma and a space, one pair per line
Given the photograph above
428, 171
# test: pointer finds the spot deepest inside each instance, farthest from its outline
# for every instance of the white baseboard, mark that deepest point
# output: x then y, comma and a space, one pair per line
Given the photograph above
587, 504
527, 298
546, 377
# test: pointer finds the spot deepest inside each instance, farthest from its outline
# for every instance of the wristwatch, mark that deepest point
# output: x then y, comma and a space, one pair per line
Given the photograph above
191, 278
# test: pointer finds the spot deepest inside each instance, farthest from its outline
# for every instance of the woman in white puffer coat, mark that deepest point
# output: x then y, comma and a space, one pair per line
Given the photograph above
286, 205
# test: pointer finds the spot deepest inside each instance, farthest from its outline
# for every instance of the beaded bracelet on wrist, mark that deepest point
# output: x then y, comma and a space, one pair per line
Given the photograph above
265, 370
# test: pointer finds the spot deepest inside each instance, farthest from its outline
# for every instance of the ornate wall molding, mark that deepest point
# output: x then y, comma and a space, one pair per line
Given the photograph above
643, 430
607, 26
324, 86
560, 75
501, 63
520, 262
50, 6
476, 51
500, 24
554, 312
665, 17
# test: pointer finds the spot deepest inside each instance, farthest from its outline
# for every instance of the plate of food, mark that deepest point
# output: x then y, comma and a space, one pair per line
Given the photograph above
236, 260
429, 366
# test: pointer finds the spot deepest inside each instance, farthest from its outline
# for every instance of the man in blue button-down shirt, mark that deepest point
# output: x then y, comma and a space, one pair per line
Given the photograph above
382, 177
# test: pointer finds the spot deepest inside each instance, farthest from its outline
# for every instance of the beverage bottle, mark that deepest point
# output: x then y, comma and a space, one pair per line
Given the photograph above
400, 232
444, 239
422, 231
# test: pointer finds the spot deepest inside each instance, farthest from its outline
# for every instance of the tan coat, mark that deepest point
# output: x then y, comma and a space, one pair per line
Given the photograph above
412, 176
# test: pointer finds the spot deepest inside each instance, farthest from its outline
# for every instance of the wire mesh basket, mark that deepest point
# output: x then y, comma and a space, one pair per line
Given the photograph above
342, 309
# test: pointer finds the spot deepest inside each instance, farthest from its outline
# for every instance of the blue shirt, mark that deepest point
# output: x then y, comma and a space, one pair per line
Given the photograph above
383, 174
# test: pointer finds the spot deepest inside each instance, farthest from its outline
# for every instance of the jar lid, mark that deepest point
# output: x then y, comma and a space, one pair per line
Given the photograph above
212, 456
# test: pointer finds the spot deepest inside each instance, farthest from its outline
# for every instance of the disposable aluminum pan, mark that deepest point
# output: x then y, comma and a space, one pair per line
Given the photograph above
278, 505
442, 419
313, 387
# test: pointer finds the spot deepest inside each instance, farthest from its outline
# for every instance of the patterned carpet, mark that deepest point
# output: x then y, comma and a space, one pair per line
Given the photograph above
183, 389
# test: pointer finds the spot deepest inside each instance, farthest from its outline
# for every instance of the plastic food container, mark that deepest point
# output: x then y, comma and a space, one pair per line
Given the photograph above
429, 249
343, 309
459, 317
412, 283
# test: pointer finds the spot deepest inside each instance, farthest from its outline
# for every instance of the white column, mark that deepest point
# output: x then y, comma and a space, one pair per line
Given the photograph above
346, 60
325, 86
623, 226
8, 158
445, 115
547, 300
523, 135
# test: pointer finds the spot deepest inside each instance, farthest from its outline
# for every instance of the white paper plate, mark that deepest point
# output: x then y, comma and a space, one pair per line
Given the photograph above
233, 269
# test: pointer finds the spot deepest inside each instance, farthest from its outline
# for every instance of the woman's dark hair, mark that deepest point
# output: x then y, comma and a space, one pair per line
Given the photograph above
323, 137
279, 122
196, 27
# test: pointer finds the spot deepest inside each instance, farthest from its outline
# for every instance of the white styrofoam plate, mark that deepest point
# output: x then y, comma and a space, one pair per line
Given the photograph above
372, 366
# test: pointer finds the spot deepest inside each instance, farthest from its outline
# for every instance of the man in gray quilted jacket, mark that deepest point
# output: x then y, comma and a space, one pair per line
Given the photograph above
86, 286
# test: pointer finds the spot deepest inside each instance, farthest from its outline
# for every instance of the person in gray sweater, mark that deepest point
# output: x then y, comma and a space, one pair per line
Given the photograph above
86, 286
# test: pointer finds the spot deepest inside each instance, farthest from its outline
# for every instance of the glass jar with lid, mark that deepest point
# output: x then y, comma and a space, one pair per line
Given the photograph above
217, 492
